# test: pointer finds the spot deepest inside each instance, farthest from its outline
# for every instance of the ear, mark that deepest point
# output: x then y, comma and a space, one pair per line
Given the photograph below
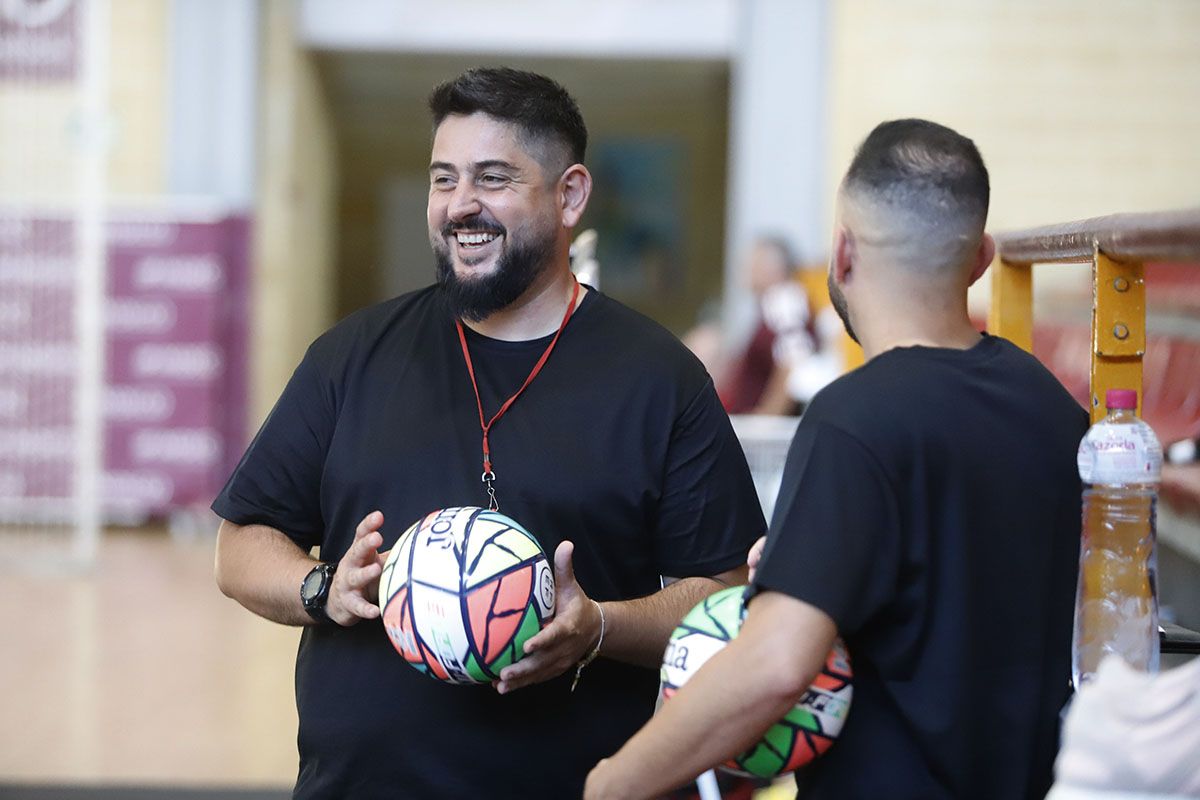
844, 254
983, 258
574, 189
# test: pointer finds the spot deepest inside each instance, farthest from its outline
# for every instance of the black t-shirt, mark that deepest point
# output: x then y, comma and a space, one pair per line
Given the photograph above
930, 506
619, 444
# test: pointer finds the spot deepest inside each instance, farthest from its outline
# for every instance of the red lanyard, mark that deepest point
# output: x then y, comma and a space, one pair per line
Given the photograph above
489, 476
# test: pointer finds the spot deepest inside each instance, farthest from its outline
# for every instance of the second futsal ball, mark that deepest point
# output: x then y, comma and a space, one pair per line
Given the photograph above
805, 732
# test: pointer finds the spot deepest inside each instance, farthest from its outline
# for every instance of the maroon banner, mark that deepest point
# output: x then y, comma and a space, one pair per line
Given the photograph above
174, 400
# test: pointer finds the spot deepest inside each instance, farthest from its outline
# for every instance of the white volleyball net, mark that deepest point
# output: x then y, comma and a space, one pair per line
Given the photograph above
53, 97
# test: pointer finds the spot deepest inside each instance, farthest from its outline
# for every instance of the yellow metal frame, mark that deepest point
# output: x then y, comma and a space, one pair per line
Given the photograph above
1118, 328
1011, 311
1118, 320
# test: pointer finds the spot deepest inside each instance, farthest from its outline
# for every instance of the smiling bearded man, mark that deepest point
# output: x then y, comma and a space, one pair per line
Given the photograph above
606, 441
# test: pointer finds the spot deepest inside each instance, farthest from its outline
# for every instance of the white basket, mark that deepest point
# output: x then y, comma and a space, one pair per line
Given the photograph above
765, 440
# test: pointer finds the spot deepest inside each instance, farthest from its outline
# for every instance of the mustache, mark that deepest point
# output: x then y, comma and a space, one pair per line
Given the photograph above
477, 224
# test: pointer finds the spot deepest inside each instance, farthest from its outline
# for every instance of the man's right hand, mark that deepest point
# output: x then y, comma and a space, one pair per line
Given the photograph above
354, 594
754, 556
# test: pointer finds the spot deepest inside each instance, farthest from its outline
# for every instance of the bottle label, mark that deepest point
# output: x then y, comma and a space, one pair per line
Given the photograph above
1119, 454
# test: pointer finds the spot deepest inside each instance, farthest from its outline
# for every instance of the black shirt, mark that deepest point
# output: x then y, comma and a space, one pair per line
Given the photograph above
619, 444
930, 505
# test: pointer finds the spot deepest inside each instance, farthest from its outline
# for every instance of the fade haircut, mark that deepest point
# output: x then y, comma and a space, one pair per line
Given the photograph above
548, 117
925, 169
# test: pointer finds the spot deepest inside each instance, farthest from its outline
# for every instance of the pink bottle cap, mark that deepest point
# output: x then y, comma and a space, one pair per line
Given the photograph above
1120, 398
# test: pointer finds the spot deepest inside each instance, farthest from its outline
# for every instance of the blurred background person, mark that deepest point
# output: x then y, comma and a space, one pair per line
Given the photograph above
756, 381
814, 369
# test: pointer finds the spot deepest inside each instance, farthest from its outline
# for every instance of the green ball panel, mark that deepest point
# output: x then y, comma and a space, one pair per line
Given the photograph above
507, 656
780, 738
803, 718
476, 670
529, 628
762, 761
719, 615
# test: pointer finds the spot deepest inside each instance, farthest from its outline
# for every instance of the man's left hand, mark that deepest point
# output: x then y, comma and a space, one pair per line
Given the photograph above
568, 638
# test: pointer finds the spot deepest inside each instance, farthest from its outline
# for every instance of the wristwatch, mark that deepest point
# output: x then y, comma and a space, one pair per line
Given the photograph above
314, 591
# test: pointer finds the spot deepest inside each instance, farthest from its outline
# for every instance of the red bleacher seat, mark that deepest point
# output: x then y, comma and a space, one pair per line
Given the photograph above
1171, 386
1181, 488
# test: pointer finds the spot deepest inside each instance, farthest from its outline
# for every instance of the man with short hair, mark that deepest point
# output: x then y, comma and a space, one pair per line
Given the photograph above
928, 515
614, 452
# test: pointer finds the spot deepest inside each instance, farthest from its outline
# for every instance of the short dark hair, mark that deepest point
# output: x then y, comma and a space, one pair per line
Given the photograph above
924, 167
539, 106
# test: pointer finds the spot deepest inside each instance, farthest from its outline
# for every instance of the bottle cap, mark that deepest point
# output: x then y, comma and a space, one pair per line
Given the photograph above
1120, 398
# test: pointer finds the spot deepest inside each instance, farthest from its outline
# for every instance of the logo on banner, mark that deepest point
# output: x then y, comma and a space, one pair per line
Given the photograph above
38, 39
34, 13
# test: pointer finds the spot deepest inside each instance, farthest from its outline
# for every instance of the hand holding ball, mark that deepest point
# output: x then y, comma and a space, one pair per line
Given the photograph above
461, 592
805, 732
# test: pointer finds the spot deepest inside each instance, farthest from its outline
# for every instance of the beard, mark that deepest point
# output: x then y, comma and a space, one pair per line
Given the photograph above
838, 299
519, 264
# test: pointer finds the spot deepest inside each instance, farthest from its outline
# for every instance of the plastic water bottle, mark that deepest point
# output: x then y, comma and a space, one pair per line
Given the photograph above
1116, 605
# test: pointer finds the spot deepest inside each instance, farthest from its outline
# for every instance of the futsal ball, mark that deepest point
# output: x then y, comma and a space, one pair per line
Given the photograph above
806, 731
462, 590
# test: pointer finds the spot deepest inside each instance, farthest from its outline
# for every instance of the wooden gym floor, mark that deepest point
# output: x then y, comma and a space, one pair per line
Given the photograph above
141, 673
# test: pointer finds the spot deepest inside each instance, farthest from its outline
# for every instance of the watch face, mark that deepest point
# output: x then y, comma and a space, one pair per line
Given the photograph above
312, 584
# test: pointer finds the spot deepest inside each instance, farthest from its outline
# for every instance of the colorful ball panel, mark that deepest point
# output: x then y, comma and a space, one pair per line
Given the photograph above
462, 591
